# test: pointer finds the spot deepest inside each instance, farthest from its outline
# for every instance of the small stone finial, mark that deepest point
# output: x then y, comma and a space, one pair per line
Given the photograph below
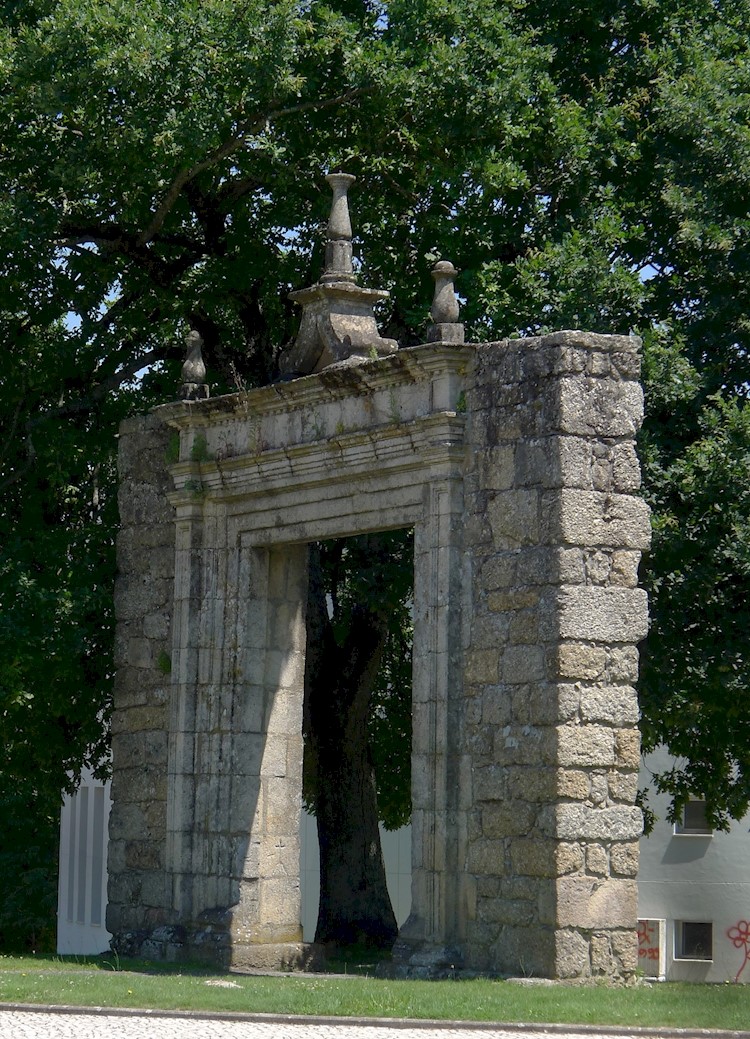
339, 246
194, 385
444, 311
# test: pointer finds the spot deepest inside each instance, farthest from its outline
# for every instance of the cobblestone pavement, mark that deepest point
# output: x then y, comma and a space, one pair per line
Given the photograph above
17, 1023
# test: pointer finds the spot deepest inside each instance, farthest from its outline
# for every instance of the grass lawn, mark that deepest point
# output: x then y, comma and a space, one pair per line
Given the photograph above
102, 981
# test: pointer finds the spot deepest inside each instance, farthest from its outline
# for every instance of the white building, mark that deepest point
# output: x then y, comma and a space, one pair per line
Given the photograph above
693, 895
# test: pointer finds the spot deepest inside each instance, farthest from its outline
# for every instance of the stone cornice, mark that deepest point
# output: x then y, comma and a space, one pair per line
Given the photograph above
417, 364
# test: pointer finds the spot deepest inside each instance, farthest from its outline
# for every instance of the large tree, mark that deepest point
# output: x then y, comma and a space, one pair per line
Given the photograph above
585, 163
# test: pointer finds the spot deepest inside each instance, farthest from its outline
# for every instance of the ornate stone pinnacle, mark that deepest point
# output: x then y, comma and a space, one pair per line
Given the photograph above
338, 320
339, 246
194, 385
444, 311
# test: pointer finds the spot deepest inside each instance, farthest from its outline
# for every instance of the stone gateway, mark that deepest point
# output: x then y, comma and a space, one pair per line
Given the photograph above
514, 463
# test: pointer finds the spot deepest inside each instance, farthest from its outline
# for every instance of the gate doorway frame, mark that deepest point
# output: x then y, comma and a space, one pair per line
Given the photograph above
514, 463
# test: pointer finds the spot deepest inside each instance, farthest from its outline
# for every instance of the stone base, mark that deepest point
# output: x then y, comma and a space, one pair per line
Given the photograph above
287, 956
445, 332
424, 961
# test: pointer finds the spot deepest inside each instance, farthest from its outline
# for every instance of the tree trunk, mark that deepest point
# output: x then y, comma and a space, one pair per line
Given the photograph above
355, 907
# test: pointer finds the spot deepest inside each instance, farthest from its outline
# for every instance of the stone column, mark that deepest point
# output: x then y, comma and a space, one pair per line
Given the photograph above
555, 531
430, 942
267, 759
139, 900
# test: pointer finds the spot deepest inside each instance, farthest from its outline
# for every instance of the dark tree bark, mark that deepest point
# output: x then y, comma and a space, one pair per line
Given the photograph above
355, 907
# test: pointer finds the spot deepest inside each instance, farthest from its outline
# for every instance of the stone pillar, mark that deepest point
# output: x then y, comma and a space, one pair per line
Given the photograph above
267, 772
139, 902
555, 531
431, 939
235, 772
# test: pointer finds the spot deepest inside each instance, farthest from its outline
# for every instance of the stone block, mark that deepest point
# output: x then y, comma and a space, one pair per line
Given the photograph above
581, 661
496, 707
498, 571
144, 855
592, 903
525, 952
496, 467
622, 786
584, 746
626, 471
625, 949
613, 705
624, 859
573, 784
628, 749
572, 957
514, 518
507, 911
597, 860
489, 782
624, 569
591, 518
577, 822
481, 667
531, 783
569, 858
573, 463
513, 599
534, 857
523, 629
247, 754
508, 819
525, 745
603, 614
623, 664
521, 664
599, 407
486, 856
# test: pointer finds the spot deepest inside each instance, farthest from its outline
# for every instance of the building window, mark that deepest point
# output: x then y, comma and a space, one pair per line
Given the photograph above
693, 940
693, 820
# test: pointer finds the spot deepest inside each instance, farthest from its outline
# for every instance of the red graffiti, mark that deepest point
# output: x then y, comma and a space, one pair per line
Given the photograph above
739, 936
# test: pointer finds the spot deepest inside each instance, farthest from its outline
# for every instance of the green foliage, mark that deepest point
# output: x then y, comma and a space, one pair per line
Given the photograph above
376, 572
696, 668
584, 164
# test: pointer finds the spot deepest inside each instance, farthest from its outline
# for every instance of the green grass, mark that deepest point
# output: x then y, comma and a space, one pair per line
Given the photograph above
106, 982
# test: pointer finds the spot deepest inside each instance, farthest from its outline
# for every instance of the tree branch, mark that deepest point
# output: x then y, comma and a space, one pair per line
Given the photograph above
223, 151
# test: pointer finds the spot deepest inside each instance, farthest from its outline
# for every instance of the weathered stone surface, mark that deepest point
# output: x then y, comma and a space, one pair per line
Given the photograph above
593, 903
577, 660
624, 859
603, 614
596, 518
515, 464
585, 745
614, 705
579, 822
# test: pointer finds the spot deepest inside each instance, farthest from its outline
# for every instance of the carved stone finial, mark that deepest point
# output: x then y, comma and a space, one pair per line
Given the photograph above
444, 311
338, 320
339, 246
194, 385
